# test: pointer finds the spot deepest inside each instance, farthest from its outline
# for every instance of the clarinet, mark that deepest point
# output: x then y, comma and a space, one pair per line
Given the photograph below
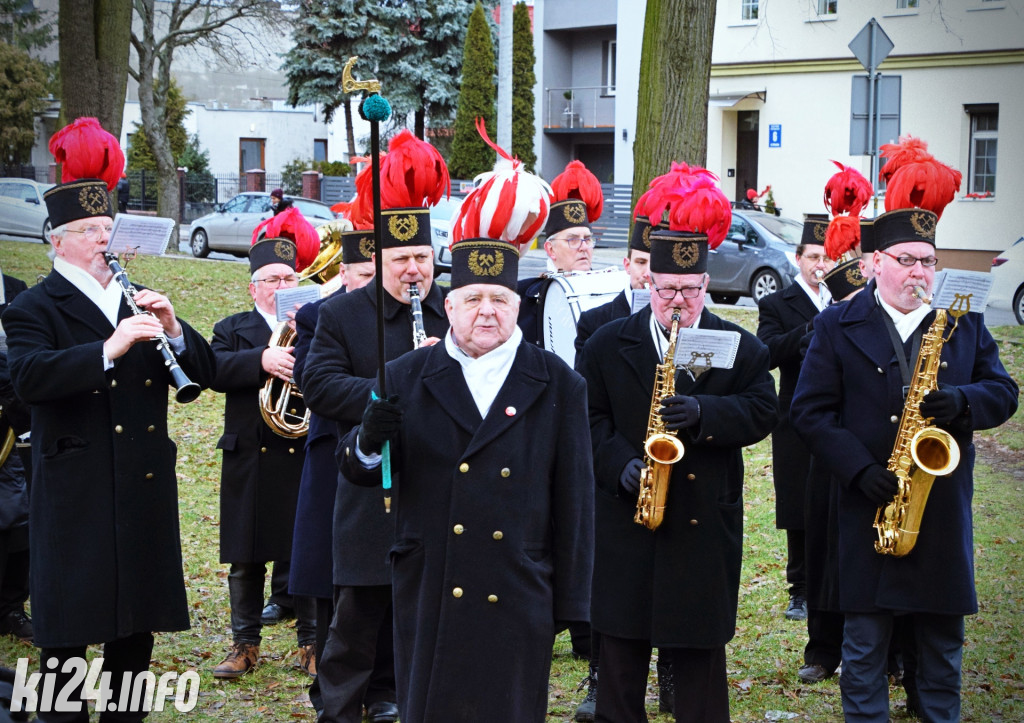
188, 390
419, 334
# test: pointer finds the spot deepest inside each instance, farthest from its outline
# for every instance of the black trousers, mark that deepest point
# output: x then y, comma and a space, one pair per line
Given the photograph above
796, 566
358, 665
701, 685
13, 569
824, 639
129, 655
246, 581
324, 616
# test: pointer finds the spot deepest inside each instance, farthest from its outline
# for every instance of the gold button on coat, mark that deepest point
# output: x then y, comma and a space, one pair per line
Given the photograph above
464, 467
149, 475
457, 592
149, 382
505, 472
151, 428
291, 450
497, 535
492, 598
894, 419
693, 522
459, 529
119, 429
691, 476
113, 383
263, 449
943, 365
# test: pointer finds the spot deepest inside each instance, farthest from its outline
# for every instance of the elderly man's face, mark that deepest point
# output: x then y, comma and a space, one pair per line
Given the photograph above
571, 249
83, 245
689, 289
483, 316
269, 279
359, 275
896, 283
407, 265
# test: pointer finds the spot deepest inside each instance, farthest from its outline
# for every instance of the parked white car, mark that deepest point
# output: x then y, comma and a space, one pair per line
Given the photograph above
1008, 280
22, 211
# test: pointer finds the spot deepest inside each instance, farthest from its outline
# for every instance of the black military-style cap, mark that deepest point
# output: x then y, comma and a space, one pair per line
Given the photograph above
484, 261
845, 278
405, 227
84, 198
678, 252
902, 226
357, 246
271, 251
565, 214
815, 228
640, 236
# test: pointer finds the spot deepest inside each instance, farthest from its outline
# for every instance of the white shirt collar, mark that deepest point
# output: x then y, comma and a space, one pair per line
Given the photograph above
660, 342
271, 319
486, 374
107, 299
907, 323
820, 297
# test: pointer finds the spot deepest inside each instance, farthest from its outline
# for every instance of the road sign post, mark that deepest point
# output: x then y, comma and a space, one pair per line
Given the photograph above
871, 46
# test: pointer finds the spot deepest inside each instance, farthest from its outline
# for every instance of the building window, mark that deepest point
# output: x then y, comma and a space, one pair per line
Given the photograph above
320, 149
906, 4
828, 7
608, 72
748, 9
250, 155
984, 139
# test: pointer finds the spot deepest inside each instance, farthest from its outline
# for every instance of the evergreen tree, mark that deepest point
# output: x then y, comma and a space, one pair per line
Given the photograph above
523, 80
200, 185
23, 26
140, 154
470, 155
22, 87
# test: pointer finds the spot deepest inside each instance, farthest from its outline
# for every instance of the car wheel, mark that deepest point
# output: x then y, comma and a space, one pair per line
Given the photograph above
1018, 305
725, 298
200, 244
764, 282
46, 231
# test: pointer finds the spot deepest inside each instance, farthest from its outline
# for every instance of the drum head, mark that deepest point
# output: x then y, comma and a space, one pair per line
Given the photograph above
566, 297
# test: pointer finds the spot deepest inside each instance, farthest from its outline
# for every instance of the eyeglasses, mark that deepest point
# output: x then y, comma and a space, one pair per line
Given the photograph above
815, 258
576, 242
278, 280
92, 233
687, 292
908, 260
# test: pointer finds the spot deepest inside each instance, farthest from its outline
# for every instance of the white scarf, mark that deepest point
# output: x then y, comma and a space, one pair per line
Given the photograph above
487, 373
108, 299
660, 342
906, 324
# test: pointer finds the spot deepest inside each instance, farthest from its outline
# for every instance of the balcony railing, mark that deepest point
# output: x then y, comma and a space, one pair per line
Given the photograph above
586, 106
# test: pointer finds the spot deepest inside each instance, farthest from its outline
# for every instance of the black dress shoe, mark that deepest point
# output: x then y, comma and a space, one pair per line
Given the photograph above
18, 624
797, 609
813, 673
274, 613
382, 712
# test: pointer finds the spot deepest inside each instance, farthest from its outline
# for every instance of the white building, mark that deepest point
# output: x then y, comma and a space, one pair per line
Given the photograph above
785, 67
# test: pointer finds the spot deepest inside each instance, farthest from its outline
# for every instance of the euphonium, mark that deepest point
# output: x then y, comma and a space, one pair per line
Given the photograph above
921, 453
327, 263
662, 448
281, 404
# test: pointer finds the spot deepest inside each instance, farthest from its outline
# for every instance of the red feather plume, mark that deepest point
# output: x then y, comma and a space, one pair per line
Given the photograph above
292, 225
843, 236
848, 191
361, 211
413, 174
897, 155
576, 181
85, 150
928, 184
692, 200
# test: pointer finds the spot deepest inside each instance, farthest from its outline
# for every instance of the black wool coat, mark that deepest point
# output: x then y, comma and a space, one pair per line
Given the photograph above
340, 372
783, 319
103, 521
847, 408
593, 319
676, 586
494, 537
259, 479
311, 569
12, 287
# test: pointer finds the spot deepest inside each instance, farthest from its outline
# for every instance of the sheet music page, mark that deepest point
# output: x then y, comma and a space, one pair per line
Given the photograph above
146, 235
706, 348
286, 299
641, 299
950, 283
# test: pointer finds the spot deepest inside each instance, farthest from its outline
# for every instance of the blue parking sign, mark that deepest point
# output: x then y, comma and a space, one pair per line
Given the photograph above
775, 135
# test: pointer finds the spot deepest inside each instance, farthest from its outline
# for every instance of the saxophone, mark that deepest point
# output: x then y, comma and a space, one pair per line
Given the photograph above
662, 448
922, 452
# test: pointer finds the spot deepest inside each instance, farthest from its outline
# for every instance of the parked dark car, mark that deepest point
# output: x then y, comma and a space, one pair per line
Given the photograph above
757, 258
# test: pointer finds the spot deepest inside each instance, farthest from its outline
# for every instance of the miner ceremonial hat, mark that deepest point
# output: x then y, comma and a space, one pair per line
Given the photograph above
357, 246
484, 261
678, 252
815, 228
640, 236
844, 278
271, 251
578, 199
91, 165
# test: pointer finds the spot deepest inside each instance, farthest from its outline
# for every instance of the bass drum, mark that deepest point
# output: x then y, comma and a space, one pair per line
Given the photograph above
566, 296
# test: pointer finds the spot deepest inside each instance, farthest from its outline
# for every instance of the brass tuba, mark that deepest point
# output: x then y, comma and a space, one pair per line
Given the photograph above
921, 453
327, 263
662, 448
281, 404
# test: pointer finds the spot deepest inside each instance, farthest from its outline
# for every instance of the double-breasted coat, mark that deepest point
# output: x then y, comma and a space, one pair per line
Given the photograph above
259, 481
103, 529
847, 407
676, 586
494, 536
782, 324
340, 372
311, 570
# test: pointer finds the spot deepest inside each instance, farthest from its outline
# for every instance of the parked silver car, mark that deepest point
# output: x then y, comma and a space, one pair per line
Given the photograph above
757, 258
22, 211
1008, 280
230, 227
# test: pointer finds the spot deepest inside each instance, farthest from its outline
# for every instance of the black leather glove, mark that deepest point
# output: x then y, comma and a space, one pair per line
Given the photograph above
878, 484
382, 419
680, 412
943, 404
629, 479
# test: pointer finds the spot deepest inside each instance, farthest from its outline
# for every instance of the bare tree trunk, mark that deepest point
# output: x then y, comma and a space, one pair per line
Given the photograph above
419, 123
94, 37
672, 103
350, 135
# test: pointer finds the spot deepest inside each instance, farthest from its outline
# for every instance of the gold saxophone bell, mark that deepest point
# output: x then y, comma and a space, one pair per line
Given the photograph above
281, 404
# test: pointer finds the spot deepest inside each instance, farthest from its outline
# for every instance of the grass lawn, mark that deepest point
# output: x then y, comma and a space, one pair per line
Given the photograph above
763, 657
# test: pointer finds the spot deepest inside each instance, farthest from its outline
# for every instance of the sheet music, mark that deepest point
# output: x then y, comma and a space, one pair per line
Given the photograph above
641, 299
286, 299
146, 235
951, 283
704, 349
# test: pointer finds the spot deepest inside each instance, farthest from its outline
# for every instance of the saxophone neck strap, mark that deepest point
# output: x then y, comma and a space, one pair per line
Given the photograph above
898, 348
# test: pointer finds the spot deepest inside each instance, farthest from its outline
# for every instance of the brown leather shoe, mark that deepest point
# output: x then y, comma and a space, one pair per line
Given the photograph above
240, 660
307, 658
